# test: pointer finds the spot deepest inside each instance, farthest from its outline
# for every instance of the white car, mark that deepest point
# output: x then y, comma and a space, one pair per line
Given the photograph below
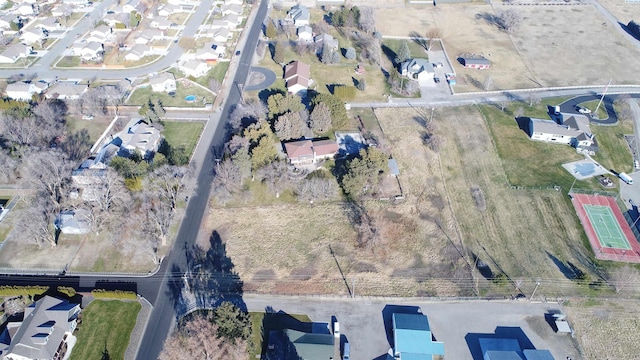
87, 117
583, 110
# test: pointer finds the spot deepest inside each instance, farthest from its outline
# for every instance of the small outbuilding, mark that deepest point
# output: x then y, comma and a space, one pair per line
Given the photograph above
475, 62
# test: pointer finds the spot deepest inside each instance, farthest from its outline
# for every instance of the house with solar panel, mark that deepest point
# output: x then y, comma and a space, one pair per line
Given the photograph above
413, 340
46, 331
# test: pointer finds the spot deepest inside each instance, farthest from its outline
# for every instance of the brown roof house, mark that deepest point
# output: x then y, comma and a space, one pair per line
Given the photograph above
305, 152
297, 76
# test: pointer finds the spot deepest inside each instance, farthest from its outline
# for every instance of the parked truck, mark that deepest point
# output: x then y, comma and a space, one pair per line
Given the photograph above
626, 178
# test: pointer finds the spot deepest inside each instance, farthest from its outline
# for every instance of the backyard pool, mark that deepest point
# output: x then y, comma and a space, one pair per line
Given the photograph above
190, 98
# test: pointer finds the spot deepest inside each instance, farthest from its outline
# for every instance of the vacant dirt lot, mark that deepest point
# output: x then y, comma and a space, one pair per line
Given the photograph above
554, 45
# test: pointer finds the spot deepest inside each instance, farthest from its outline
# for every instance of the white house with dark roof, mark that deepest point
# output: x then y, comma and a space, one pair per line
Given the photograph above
6, 21
571, 129
45, 332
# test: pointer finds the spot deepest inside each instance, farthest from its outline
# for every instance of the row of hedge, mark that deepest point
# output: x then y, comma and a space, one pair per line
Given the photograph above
114, 294
26, 291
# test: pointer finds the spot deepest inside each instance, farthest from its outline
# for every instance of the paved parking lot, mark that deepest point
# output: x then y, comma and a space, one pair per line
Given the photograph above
457, 324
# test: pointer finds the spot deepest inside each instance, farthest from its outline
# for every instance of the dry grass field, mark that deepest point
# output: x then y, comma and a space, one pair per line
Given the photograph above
554, 45
606, 329
527, 234
622, 10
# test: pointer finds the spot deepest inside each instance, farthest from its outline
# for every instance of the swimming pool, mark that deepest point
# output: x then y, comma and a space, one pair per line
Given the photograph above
190, 98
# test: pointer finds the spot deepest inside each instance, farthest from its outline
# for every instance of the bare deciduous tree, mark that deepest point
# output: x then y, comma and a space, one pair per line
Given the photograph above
508, 20
534, 99
77, 145
22, 128
51, 111
36, 222
316, 189
519, 112
367, 19
198, 339
8, 166
275, 176
488, 83
228, 177
49, 172
168, 182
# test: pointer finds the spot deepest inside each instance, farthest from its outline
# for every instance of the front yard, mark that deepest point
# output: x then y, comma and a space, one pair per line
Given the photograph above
182, 134
105, 330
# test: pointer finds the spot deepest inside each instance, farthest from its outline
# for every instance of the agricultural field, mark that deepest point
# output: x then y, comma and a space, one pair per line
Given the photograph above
522, 60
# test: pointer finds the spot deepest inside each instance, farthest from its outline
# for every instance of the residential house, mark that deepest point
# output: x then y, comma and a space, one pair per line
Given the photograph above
571, 129
138, 137
418, 69
138, 52
222, 24
45, 332
475, 63
62, 10
207, 53
299, 14
412, 338
323, 40
92, 51
194, 68
233, 20
24, 91
163, 82
162, 23
233, 2
33, 36
133, 5
101, 34
90, 177
227, 9
221, 35
65, 90
305, 33
77, 3
8, 19
116, 19
15, 52
25, 9
305, 152
148, 36
168, 9
73, 222
49, 24
297, 77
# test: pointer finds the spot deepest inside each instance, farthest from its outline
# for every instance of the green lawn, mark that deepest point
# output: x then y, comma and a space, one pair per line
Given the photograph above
416, 50
69, 61
95, 128
274, 322
592, 105
105, 325
182, 133
527, 162
614, 153
141, 94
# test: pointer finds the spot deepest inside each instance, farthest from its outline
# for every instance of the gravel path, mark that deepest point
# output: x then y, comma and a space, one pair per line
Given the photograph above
138, 330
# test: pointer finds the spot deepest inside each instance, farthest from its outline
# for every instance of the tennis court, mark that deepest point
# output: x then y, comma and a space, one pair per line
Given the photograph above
607, 229
609, 233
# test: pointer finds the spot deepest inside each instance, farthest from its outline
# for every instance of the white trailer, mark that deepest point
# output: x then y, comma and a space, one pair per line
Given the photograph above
626, 178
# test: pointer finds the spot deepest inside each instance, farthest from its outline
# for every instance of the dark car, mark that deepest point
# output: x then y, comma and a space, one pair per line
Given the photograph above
436, 79
237, 52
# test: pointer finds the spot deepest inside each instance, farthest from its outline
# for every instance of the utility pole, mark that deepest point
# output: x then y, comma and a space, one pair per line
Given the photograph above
602, 97
534, 290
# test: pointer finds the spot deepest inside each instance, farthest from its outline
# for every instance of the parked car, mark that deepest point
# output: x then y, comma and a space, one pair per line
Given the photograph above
87, 117
436, 79
438, 65
237, 52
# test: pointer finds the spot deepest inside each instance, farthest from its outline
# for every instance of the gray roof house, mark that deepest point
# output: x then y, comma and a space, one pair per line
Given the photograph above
571, 129
73, 222
309, 341
140, 137
299, 14
418, 69
66, 90
164, 82
46, 331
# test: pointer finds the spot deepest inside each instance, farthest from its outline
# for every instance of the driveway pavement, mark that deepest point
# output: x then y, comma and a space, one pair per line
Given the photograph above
455, 323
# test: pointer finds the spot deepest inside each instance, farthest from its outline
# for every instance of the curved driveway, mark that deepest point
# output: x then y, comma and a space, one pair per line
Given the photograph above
269, 78
570, 105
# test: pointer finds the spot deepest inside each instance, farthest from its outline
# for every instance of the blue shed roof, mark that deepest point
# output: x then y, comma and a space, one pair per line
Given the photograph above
412, 337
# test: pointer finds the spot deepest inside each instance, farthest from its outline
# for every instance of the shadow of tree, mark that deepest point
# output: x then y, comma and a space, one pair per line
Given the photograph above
417, 38
212, 279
